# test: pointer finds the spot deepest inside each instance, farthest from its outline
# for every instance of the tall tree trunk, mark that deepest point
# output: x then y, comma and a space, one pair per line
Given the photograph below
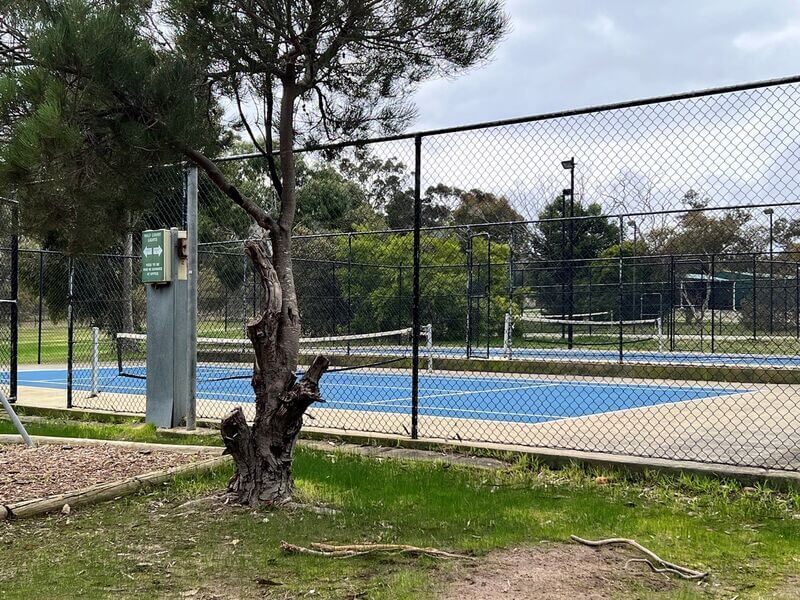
263, 453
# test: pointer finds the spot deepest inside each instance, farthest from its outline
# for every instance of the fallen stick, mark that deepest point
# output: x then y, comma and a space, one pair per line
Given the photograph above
666, 567
348, 551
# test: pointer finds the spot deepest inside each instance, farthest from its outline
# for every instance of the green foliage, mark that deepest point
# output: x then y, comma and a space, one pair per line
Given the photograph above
328, 201
704, 233
636, 274
551, 243
90, 110
380, 282
434, 209
477, 206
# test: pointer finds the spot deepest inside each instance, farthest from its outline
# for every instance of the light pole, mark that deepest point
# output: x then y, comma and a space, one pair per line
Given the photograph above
769, 212
632, 223
569, 165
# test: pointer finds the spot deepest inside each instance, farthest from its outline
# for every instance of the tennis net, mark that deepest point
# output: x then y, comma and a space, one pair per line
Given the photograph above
221, 359
551, 331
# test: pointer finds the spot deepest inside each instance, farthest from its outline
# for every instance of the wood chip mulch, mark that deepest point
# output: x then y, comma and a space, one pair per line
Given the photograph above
29, 473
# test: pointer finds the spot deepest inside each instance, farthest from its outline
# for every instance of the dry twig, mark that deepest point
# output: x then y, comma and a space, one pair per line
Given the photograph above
666, 567
351, 550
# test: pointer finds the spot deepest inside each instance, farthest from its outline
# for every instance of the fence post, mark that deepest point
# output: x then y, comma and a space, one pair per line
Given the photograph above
469, 293
349, 287
400, 317
620, 290
797, 302
510, 265
41, 301
711, 301
755, 314
15, 302
70, 329
415, 313
671, 325
488, 295
192, 260
95, 360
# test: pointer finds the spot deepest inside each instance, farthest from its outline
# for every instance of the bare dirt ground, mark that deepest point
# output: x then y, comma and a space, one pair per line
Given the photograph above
28, 473
554, 572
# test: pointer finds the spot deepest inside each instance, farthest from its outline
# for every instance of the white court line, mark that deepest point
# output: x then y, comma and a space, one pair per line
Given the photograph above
446, 392
464, 410
451, 393
511, 380
404, 402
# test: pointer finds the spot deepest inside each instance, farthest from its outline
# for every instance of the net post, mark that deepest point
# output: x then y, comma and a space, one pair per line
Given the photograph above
659, 334
415, 308
429, 346
95, 359
119, 355
507, 335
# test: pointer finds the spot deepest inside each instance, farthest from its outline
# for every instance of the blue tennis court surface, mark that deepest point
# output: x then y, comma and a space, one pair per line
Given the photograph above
495, 398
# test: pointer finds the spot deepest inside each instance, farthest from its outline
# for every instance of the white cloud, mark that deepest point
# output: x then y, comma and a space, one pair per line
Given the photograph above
603, 26
756, 41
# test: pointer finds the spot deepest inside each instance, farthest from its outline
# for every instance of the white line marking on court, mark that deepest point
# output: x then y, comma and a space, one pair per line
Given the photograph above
458, 410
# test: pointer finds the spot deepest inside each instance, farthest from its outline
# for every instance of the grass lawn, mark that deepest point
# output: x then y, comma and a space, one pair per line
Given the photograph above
148, 546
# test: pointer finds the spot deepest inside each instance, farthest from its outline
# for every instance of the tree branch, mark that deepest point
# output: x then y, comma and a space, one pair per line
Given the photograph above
258, 214
273, 170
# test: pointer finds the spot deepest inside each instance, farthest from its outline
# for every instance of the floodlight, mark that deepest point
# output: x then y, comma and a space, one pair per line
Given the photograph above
768, 211
568, 164
566, 192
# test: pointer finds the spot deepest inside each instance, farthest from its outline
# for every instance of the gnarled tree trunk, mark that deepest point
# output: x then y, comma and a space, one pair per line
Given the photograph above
263, 453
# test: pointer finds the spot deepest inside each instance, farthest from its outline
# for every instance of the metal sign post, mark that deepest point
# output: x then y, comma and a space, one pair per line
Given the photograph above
165, 268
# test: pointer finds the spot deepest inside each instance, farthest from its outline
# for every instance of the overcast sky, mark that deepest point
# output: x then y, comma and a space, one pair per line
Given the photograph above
573, 53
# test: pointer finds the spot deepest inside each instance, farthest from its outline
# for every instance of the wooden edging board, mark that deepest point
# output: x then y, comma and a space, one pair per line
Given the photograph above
109, 490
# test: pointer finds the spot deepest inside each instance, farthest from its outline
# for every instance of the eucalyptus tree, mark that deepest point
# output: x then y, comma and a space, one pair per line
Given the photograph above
107, 85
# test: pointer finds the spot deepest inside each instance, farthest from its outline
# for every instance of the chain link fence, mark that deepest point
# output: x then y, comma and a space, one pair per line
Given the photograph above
623, 279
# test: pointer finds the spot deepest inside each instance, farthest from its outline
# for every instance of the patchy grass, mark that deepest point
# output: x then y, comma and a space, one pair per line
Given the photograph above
133, 431
149, 546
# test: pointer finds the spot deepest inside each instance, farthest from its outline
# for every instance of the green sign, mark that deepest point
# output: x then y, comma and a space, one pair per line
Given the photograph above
155, 256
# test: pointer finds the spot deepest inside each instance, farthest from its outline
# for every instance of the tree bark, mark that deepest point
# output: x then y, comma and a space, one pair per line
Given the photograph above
263, 453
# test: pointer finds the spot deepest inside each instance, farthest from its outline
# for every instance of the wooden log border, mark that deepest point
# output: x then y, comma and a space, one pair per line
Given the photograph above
105, 491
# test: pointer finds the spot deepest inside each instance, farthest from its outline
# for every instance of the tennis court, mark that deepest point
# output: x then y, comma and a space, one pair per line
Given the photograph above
511, 399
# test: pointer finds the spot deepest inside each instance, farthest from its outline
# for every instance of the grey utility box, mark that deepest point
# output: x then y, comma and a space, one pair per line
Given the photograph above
165, 271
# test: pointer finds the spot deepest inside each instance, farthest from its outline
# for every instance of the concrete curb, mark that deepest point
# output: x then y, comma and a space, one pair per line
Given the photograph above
554, 457
67, 441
